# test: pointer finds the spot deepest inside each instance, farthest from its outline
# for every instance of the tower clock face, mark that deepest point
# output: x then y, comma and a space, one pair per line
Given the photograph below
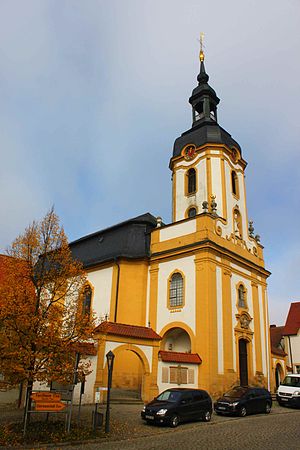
189, 152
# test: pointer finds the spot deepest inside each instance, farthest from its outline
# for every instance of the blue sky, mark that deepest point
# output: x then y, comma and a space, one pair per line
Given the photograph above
94, 93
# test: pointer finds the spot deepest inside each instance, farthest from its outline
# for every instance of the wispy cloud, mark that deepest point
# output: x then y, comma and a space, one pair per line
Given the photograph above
93, 95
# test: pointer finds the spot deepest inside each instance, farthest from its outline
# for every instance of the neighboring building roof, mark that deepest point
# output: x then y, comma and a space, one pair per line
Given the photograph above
292, 323
122, 329
178, 357
129, 239
276, 336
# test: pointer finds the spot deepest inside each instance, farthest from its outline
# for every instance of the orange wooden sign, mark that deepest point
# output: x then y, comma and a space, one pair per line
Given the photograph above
49, 406
46, 396
47, 401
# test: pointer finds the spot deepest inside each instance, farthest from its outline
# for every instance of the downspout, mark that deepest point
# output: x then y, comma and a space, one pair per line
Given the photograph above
291, 356
117, 290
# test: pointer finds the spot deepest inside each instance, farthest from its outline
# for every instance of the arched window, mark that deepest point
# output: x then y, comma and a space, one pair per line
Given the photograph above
234, 183
176, 290
87, 300
192, 212
191, 181
241, 296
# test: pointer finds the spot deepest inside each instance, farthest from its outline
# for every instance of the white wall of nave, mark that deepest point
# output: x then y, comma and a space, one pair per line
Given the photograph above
101, 282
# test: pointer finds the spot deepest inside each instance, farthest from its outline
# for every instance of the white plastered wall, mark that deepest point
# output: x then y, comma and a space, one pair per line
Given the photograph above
185, 314
264, 343
88, 396
295, 346
177, 230
216, 181
183, 202
235, 280
232, 202
163, 386
101, 282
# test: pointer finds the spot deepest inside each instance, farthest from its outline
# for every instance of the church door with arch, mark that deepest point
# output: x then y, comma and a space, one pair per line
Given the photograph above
243, 362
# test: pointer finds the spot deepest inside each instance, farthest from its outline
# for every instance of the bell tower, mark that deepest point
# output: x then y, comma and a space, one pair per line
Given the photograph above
208, 168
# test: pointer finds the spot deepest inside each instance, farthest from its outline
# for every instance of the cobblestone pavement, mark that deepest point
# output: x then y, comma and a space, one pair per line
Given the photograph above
278, 430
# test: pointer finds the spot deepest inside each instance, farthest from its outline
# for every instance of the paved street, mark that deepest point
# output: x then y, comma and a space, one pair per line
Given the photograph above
279, 430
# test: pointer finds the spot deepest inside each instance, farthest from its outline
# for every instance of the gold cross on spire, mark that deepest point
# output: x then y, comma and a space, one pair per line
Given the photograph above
201, 54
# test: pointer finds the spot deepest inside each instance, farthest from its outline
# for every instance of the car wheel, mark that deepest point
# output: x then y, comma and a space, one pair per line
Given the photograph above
243, 411
174, 422
268, 408
207, 416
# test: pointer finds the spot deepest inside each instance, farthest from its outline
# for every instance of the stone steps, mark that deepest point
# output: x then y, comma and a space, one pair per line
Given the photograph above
125, 396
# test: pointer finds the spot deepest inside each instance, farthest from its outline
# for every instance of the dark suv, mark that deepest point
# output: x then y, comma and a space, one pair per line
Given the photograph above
178, 405
244, 400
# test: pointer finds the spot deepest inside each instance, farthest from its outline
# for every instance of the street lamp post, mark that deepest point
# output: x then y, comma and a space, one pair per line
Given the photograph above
110, 363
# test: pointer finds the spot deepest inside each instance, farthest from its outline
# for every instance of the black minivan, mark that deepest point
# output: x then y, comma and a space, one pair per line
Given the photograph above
178, 405
244, 400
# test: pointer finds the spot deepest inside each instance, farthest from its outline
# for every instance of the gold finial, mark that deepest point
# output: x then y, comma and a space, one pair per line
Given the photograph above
201, 54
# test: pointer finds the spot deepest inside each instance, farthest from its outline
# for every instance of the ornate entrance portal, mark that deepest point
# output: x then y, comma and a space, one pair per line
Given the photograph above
243, 362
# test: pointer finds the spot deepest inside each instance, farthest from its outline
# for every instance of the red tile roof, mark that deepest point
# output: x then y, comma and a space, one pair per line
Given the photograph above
188, 358
276, 336
292, 323
122, 329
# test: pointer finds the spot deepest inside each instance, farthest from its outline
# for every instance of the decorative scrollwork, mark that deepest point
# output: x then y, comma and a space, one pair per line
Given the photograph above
219, 230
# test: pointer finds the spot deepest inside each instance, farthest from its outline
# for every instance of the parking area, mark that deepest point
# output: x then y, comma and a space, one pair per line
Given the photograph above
126, 423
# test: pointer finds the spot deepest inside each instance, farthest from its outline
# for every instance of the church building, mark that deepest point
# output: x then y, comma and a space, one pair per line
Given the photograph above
183, 304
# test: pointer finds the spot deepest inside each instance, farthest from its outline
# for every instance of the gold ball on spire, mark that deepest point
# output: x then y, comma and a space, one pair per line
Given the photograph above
201, 54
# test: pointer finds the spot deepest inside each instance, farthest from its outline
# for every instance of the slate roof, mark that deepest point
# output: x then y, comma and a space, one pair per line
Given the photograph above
205, 129
276, 335
203, 134
122, 329
292, 323
129, 239
178, 357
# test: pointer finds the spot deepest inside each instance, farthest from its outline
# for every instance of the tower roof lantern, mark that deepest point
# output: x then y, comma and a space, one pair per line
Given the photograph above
205, 127
204, 99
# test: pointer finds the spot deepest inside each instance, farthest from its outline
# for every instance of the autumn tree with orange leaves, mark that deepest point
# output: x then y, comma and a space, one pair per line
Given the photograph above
41, 317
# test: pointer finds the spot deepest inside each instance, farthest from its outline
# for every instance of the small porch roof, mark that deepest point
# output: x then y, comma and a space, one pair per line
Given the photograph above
122, 329
178, 357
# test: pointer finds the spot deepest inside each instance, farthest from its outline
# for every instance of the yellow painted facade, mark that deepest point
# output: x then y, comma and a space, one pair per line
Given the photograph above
216, 253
